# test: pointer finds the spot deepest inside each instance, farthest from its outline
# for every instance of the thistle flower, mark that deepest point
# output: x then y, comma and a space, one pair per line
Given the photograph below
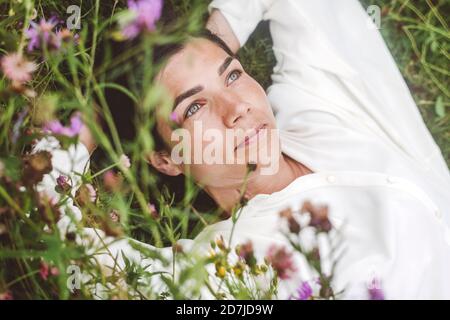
55, 126
17, 69
245, 252
303, 292
41, 34
319, 216
374, 290
142, 18
294, 226
281, 261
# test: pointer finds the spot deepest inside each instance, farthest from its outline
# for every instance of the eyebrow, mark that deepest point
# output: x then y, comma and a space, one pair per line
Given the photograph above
199, 88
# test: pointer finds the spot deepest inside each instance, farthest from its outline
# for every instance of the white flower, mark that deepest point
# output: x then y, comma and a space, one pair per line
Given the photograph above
125, 161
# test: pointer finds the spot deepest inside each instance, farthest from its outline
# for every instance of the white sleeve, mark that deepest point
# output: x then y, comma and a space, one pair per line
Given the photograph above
242, 15
71, 163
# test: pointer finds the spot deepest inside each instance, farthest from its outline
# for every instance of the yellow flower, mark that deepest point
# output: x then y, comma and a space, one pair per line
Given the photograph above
221, 271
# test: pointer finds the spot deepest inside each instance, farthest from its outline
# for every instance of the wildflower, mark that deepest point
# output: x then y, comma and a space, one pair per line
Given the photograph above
55, 126
144, 14
6, 296
238, 269
294, 226
112, 181
17, 69
65, 35
281, 261
304, 292
319, 216
62, 184
124, 161
41, 34
245, 252
152, 210
221, 271
35, 166
374, 290
44, 270
221, 243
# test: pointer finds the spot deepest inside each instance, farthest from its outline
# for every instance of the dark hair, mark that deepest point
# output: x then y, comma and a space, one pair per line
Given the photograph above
124, 118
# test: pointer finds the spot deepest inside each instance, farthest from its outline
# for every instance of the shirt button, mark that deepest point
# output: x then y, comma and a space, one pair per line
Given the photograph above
390, 179
331, 179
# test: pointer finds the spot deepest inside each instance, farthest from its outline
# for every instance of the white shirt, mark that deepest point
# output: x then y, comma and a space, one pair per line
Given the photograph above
345, 112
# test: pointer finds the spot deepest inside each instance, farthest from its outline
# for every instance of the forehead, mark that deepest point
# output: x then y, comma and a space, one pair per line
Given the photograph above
192, 66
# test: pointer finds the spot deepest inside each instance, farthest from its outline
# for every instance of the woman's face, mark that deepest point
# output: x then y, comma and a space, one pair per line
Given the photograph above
221, 111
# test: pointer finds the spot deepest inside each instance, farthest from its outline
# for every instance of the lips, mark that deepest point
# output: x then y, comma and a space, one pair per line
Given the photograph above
250, 136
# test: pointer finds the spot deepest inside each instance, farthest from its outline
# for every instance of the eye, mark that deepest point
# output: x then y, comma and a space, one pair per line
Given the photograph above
192, 109
233, 76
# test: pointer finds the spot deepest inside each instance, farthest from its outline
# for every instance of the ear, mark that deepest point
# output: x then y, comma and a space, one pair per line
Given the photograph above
162, 162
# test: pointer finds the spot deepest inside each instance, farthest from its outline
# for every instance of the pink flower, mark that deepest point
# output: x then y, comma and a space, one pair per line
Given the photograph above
42, 34
72, 130
281, 261
152, 209
6, 296
174, 117
125, 161
111, 180
44, 270
16, 68
145, 14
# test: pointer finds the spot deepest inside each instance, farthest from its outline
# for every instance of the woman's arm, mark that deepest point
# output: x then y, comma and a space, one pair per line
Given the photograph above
235, 20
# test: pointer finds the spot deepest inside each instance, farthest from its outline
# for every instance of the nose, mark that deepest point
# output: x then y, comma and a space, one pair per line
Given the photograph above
234, 110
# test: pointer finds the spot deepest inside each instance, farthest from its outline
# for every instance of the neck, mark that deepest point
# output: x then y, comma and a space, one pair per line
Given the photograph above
289, 170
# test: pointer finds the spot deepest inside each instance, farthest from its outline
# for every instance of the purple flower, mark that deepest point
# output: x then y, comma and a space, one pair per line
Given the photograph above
56, 127
375, 291
304, 292
62, 183
145, 14
42, 34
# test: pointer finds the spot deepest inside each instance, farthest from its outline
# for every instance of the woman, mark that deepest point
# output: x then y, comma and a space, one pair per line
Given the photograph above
351, 137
